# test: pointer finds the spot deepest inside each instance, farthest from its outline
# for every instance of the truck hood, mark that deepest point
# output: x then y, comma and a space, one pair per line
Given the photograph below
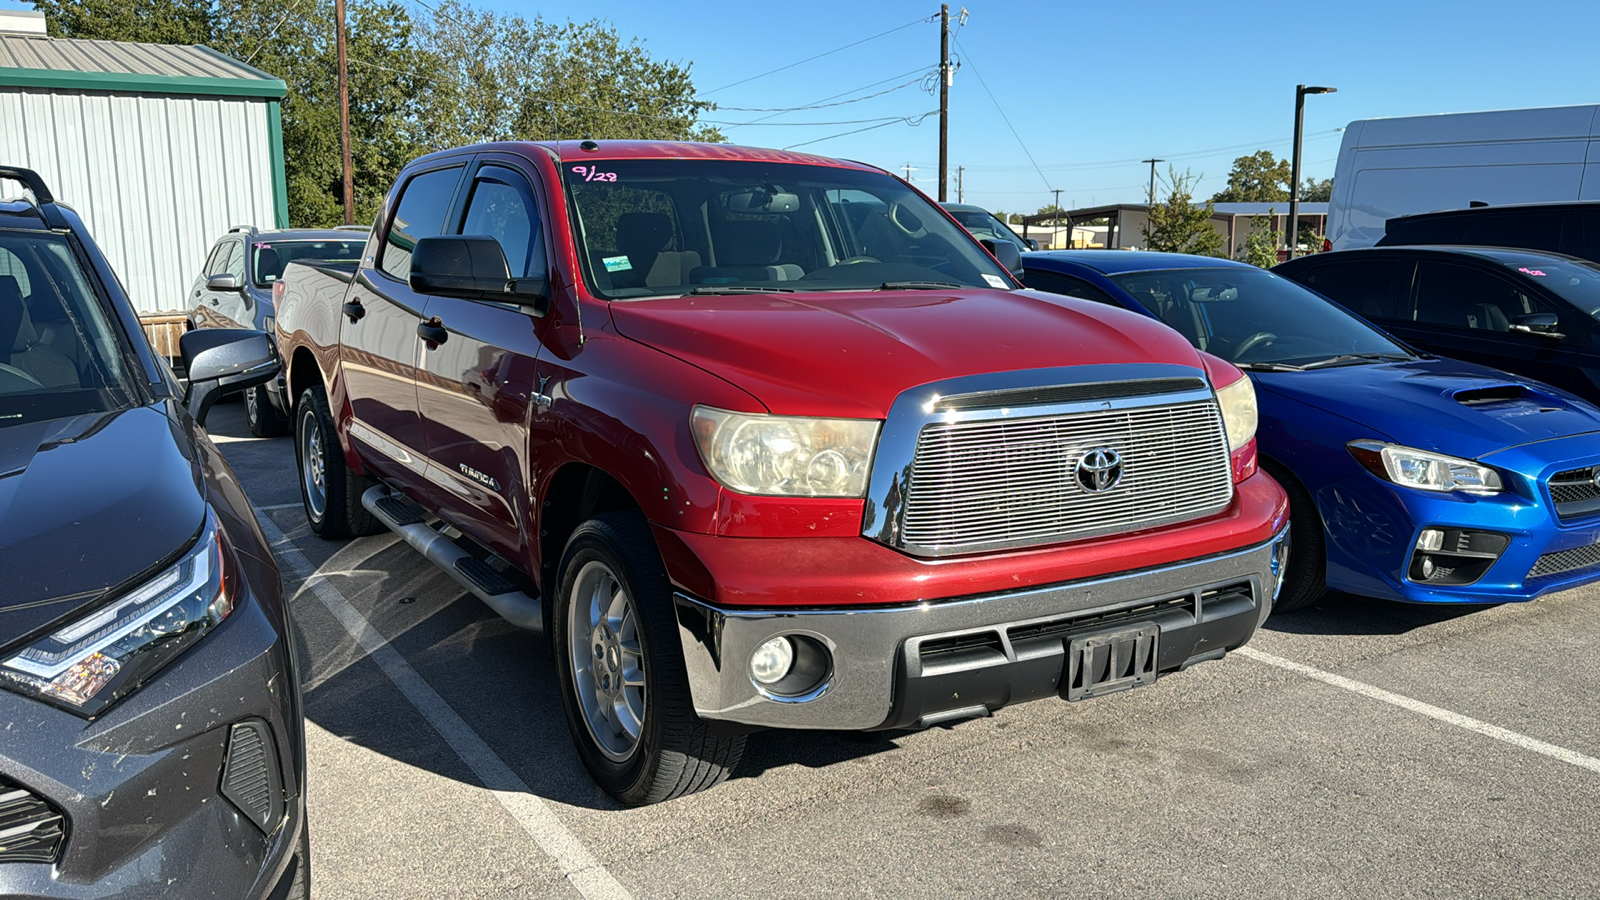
86, 504
1441, 405
849, 354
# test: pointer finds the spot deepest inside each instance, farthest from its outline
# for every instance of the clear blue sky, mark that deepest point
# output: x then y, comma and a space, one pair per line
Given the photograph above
1092, 88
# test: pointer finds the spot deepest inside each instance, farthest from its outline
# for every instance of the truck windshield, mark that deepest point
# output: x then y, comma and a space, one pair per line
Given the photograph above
59, 353
658, 227
272, 256
1575, 281
983, 224
1254, 318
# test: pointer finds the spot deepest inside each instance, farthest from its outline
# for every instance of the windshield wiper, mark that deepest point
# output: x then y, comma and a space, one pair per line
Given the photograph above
1269, 367
738, 289
1345, 359
918, 285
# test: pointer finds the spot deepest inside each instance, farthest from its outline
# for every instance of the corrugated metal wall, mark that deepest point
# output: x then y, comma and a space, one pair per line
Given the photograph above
157, 179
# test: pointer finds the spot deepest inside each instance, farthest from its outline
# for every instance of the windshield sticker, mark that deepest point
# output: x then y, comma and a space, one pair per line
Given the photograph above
995, 281
617, 264
1534, 272
590, 173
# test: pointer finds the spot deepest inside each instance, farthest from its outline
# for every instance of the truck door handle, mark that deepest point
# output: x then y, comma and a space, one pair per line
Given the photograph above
354, 310
433, 332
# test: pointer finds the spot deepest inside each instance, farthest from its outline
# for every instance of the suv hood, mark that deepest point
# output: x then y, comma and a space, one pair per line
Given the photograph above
1441, 405
850, 354
86, 504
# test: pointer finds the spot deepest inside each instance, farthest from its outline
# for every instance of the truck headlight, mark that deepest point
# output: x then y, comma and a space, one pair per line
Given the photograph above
1423, 470
89, 664
785, 456
1238, 402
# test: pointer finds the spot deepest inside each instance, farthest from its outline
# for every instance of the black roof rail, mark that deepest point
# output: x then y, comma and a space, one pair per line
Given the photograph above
31, 179
352, 228
247, 229
1476, 204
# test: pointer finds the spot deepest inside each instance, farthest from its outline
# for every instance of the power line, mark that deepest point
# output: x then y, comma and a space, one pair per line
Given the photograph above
921, 72
821, 55
1114, 163
913, 121
968, 59
789, 109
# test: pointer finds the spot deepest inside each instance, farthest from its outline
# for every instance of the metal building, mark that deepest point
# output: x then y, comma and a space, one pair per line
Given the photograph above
160, 148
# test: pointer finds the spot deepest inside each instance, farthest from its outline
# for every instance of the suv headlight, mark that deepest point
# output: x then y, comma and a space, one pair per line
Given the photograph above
786, 456
1424, 470
1238, 402
89, 664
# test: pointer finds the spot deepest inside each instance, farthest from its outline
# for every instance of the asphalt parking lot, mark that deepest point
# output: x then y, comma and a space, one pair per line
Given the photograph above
1359, 748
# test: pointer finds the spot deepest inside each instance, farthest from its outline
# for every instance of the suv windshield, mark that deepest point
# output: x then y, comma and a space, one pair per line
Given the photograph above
271, 256
669, 227
59, 354
1576, 281
1255, 318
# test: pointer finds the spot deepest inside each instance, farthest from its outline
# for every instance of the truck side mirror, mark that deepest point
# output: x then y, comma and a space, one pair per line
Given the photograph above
1006, 253
1541, 324
223, 361
473, 267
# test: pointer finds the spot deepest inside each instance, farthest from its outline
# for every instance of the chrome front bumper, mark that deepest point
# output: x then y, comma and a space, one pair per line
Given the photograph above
917, 665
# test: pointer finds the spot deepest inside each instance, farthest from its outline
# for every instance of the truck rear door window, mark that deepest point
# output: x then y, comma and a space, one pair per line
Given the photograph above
424, 203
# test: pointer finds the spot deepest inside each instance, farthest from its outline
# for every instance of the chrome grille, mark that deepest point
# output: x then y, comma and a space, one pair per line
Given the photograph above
1564, 561
1576, 492
1001, 483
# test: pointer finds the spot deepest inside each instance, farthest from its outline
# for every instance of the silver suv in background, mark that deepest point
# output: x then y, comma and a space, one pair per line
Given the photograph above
234, 290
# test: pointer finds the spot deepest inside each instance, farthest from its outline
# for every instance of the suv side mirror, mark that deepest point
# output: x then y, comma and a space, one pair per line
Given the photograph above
224, 282
1006, 253
473, 267
1542, 324
223, 361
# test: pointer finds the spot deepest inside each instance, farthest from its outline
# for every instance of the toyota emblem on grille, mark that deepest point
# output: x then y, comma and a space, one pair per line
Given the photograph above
1100, 469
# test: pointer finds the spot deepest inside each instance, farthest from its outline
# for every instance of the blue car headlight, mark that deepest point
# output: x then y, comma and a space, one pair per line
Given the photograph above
88, 664
1424, 470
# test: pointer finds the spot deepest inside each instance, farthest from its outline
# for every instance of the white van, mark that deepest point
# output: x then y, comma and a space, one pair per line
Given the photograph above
1401, 166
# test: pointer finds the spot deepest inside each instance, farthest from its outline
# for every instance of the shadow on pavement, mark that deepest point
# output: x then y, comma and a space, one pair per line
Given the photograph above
1348, 614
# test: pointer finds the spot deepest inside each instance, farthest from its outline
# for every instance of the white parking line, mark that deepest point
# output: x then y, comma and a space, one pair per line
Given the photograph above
262, 509
578, 865
1506, 735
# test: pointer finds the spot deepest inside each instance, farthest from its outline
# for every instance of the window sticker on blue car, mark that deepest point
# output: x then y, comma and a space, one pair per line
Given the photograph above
617, 264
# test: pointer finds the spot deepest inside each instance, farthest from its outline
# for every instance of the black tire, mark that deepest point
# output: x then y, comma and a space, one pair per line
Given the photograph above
265, 419
300, 887
676, 752
1307, 579
341, 514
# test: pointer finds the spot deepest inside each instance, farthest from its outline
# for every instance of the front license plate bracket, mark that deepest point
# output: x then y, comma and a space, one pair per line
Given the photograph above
1111, 661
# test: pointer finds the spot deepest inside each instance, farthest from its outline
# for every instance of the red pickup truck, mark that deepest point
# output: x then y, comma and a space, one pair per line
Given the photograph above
764, 439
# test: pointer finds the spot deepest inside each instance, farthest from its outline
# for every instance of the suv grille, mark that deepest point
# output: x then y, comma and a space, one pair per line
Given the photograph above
1576, 492
31, 830
992, 484
1564, 561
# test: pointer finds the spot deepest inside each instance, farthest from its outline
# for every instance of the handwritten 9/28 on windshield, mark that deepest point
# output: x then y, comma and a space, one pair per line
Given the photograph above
590, 173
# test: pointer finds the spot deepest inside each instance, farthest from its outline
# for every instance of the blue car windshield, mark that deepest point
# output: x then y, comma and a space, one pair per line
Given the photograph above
1573, 280
1252, 317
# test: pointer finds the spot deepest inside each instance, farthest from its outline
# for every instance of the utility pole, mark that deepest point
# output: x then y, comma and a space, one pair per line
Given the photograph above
344, 119
960, 194
909, 168
944, 101
1057, 192
1152, 163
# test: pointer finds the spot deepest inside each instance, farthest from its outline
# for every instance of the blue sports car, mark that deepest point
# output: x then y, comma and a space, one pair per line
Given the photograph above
1410, 477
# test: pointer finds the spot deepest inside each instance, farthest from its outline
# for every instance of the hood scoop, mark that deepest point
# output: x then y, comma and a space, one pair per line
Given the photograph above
1494, 393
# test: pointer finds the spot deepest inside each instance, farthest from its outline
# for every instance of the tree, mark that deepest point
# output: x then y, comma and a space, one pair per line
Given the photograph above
1261, 247
1057, 214
142, 21
1177, 225
1314, 191
1257, 178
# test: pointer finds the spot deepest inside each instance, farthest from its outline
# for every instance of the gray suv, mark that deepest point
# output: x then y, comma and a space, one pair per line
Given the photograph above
153, 742
235, 290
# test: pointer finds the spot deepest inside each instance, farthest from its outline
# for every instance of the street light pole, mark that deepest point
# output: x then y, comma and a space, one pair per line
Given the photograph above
1300, 92
944, 102
1152, 163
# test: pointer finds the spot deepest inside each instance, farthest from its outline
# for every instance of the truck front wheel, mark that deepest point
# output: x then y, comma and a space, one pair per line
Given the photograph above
623, 682
330, 491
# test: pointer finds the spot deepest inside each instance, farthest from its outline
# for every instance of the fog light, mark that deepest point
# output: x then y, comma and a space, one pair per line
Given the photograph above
772, 660
1427, 567
1431, 539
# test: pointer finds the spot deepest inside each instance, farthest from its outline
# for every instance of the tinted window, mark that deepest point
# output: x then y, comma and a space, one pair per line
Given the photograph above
1457, 296
217, 262
235, 263
424, 202
1530, 230
271, 258
1056, 283
502, 207
1426, 230
1576, 281
1249, 316
11, 265
1371, 287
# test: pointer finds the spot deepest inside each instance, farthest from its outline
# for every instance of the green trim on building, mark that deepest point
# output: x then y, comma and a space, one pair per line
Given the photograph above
280, 181
122, 83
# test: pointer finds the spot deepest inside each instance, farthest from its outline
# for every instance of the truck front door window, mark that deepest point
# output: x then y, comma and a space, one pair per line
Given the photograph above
420, 213
502, 207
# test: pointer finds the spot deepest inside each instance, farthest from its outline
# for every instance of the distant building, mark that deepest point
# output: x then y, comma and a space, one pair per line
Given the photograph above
1120, 226
160, 148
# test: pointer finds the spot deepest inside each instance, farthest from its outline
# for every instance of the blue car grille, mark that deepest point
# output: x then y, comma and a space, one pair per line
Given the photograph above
1563, 561
31, 830
1576, 492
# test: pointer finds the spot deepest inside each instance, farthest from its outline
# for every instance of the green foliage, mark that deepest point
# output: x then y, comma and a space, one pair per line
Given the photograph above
1177, 225
1057, 214
457, 77
1257, 178
1314, 191
1261, 247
